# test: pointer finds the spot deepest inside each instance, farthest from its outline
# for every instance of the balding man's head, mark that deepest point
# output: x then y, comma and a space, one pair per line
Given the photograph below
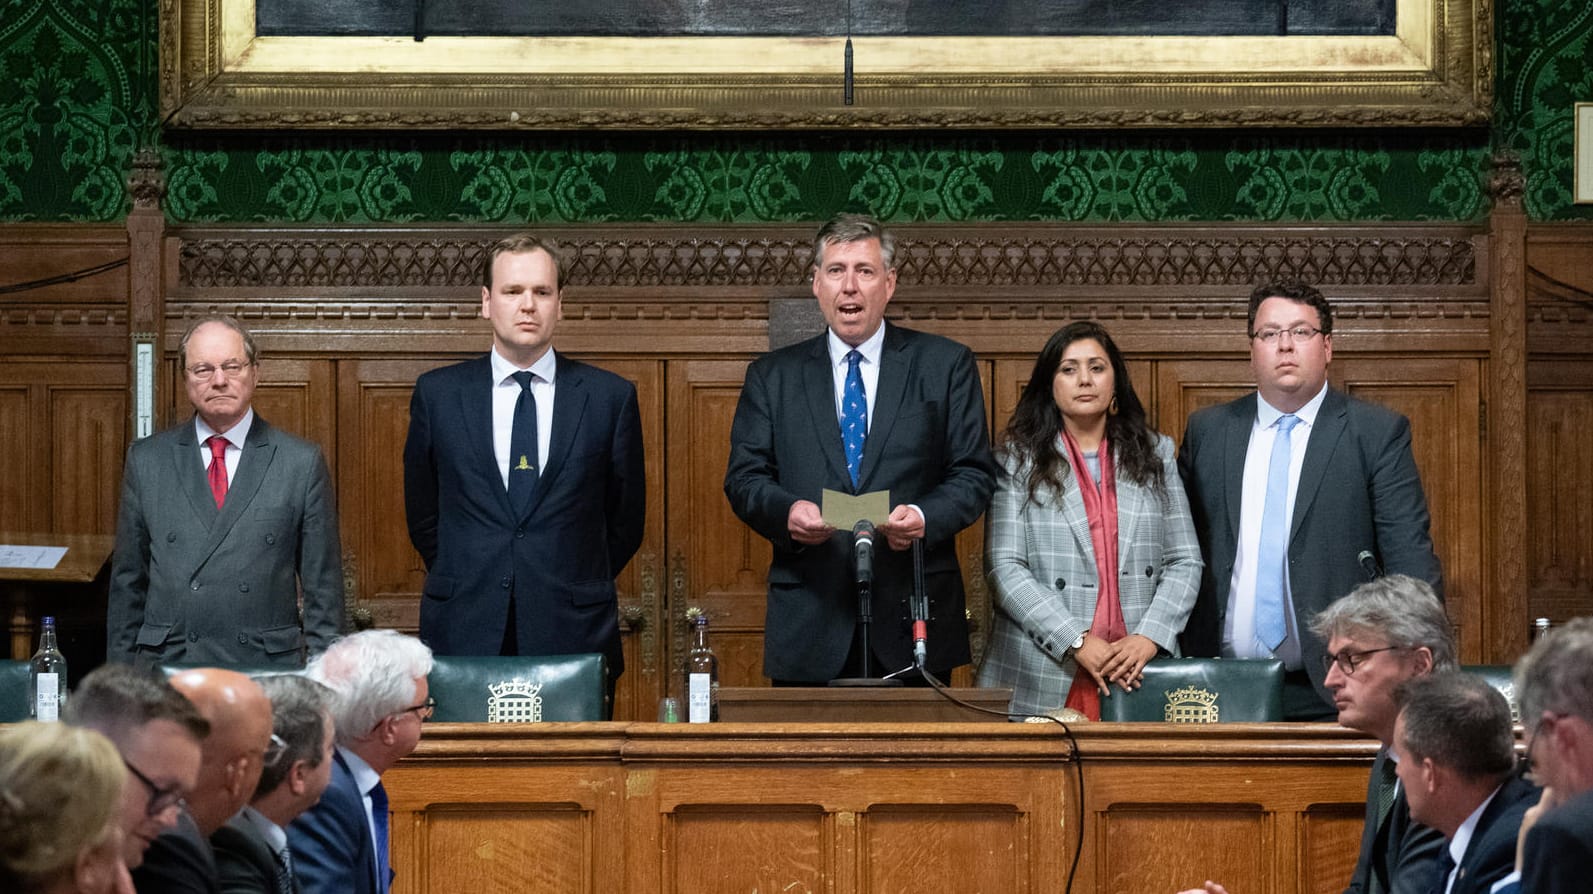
240, 732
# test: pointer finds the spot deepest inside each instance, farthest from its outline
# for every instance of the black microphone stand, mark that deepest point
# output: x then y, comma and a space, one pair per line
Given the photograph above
863, 555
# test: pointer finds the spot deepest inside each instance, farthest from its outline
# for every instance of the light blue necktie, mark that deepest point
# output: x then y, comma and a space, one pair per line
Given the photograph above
854, 416
1272, 555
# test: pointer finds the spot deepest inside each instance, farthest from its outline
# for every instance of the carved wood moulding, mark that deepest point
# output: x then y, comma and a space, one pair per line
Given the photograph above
763, 261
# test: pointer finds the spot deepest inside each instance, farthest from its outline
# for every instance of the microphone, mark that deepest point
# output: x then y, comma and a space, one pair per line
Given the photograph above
1368, 564
918, 605
863, 547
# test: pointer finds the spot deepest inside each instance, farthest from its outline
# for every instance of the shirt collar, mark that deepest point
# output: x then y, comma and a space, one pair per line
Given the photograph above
1267, 414
274, 835
365, 777
870, 349
1462, 839
234, 436
544, 368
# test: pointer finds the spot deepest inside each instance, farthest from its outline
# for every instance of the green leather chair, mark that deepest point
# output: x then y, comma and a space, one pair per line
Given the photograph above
1202, 690
14, 685
523, 689
1499, 676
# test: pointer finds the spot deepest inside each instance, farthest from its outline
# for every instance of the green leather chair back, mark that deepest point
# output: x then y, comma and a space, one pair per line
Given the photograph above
1499, 677
524, 689
14, 686
1202, 690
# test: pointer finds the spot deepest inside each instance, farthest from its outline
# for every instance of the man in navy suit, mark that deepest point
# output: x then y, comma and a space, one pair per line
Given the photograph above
1455, 747
913, 414
1344, 501
523, 480
1554, 684
379, 699
252, 853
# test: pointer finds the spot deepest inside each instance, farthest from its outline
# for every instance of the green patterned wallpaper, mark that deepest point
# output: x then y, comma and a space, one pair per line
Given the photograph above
80, 79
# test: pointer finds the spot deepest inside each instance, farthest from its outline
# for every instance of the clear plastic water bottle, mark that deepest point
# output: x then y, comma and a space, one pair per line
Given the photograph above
47, 676
702, 676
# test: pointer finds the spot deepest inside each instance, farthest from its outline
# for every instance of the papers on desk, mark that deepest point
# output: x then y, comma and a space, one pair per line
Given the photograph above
13, 556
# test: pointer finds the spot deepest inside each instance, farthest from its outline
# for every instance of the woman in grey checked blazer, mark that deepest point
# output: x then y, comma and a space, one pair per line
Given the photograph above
1097, 574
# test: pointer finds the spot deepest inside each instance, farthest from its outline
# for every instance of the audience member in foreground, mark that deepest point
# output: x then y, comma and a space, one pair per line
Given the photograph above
252, 853
1385, 632
1554, 686
158, 733
60, 790
180, 861
1455, 747
379, 698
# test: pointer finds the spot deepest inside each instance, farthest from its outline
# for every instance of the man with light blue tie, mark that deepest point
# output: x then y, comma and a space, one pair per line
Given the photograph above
1300, 492
863, 406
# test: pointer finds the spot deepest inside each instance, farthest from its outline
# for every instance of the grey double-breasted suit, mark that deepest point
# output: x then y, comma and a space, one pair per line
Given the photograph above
191, 583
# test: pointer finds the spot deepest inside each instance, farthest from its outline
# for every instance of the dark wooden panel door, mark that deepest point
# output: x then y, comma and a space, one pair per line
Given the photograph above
63, 436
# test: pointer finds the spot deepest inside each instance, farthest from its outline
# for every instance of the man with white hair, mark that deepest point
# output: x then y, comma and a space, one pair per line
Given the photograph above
379, 698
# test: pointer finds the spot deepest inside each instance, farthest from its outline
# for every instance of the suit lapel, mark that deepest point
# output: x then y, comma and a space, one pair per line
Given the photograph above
1236, 445
253, 466
895, 369
569, 405
475, 405
1319, 449
1077, 519
818, 383
189, 467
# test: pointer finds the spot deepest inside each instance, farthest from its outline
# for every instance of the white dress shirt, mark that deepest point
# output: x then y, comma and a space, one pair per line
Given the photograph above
505, 392
869, 369
1239, 630
235, 437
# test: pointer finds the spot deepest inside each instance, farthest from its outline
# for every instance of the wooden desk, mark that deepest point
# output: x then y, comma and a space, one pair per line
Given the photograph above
86, 555
877, 808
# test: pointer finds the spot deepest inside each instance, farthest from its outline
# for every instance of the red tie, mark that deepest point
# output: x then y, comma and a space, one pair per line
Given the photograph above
218, 468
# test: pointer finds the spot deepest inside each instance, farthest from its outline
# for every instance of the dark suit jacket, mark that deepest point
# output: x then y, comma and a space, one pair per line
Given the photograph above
331, 842
179, 861
1491, 854
1358, 491
191, 583
1401, 853
558, 561
244, 859
1559, 849
928, 444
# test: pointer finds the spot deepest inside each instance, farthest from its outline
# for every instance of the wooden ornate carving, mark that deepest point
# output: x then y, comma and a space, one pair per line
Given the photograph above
1505, 617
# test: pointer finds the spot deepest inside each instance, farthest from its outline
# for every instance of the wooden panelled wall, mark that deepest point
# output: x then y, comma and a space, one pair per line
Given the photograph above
1481, 335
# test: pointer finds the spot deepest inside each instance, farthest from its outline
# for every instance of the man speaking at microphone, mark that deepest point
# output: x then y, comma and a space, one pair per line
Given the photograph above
865, 406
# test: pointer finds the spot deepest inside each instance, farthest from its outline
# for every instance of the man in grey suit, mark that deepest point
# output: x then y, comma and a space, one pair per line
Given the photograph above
915, 417
224, 522
1300, 492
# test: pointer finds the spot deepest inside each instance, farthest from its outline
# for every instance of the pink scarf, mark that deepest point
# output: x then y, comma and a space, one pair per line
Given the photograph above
1100, 504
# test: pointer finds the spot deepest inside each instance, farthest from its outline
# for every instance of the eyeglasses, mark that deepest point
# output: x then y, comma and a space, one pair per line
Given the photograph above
231, 369
424, 710
1269, 337
274, 750
160, 799
1532, 739
1349, 662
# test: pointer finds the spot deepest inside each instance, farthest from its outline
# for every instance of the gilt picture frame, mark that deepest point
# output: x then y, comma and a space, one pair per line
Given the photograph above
1435, 70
